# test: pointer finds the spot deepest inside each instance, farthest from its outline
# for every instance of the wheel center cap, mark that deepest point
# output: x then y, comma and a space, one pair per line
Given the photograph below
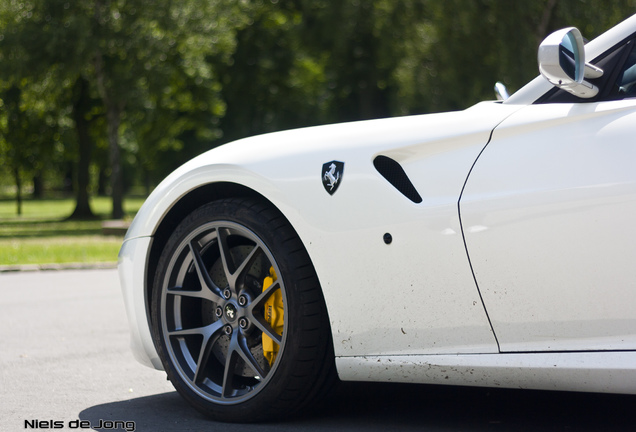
230, 311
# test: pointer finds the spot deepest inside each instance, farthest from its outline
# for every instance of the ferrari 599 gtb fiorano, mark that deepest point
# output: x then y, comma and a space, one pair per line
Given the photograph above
494, 246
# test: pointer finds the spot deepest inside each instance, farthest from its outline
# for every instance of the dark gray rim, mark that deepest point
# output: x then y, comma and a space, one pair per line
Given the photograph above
212, 318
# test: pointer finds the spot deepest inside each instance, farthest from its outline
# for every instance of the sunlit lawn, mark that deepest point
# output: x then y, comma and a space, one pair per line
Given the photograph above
43, 236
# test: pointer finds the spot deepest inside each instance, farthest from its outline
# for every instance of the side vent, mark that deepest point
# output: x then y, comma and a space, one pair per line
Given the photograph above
394, 174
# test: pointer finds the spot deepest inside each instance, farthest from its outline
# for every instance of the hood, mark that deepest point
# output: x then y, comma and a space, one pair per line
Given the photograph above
265, 163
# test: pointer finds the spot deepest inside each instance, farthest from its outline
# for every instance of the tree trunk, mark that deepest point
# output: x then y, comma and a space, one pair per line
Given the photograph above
114, 108
18, 193
81, 105
542, 29
113, 115
102, 182
38, 186
147, 182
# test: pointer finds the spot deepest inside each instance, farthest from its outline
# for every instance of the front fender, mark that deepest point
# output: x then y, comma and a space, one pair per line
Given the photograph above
370, 288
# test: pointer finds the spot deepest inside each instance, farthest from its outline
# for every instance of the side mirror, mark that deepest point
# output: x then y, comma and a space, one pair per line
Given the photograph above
562, 62
501, 91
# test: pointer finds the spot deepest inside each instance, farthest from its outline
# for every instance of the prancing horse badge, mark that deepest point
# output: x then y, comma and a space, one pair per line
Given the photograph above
332, 176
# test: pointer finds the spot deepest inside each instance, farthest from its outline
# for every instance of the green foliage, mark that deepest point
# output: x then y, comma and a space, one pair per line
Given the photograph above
271, 82
167, 80
366, 45
479, 42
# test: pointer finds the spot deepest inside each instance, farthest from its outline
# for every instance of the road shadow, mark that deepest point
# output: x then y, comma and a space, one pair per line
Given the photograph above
397, 407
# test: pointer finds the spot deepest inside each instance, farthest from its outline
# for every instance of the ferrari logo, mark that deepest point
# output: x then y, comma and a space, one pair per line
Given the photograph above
230, 311
332, 176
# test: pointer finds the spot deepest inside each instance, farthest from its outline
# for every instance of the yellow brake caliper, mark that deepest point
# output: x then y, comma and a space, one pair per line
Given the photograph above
274, 315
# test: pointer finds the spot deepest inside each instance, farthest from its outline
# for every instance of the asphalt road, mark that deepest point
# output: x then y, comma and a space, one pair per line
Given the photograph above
64, 361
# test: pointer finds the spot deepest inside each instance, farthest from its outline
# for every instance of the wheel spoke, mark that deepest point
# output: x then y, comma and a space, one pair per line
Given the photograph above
234, 272
206, 348
267, 329
210, 335
259, 301
228, 373
242, 269
238, 349
205, 331
248, 357
226, 257
255, 313
204, 276
202, 294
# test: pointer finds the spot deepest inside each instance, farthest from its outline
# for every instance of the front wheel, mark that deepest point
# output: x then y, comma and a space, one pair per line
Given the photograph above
238, 316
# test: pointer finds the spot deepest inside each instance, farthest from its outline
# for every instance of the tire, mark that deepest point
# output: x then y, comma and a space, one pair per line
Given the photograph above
214, 318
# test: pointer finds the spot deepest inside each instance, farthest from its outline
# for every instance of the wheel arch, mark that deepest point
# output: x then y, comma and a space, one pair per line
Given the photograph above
184, 206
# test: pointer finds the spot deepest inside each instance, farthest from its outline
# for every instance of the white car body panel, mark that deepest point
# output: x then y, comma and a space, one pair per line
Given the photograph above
611, 372
496, 299
550, 238
285, 167
132, 274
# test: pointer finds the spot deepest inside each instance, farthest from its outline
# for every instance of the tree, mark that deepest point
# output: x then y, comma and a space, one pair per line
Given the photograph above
118, 49
27, 122
366, 46
81, 108
15, 130
154, 83
36, 48
271, 81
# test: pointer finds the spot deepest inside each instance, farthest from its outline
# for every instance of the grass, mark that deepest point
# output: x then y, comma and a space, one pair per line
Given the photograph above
43, 236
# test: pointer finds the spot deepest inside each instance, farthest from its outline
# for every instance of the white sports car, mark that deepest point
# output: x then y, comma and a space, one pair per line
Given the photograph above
494, 246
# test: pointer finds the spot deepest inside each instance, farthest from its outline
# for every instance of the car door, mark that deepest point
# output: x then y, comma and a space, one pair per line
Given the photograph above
549, 218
